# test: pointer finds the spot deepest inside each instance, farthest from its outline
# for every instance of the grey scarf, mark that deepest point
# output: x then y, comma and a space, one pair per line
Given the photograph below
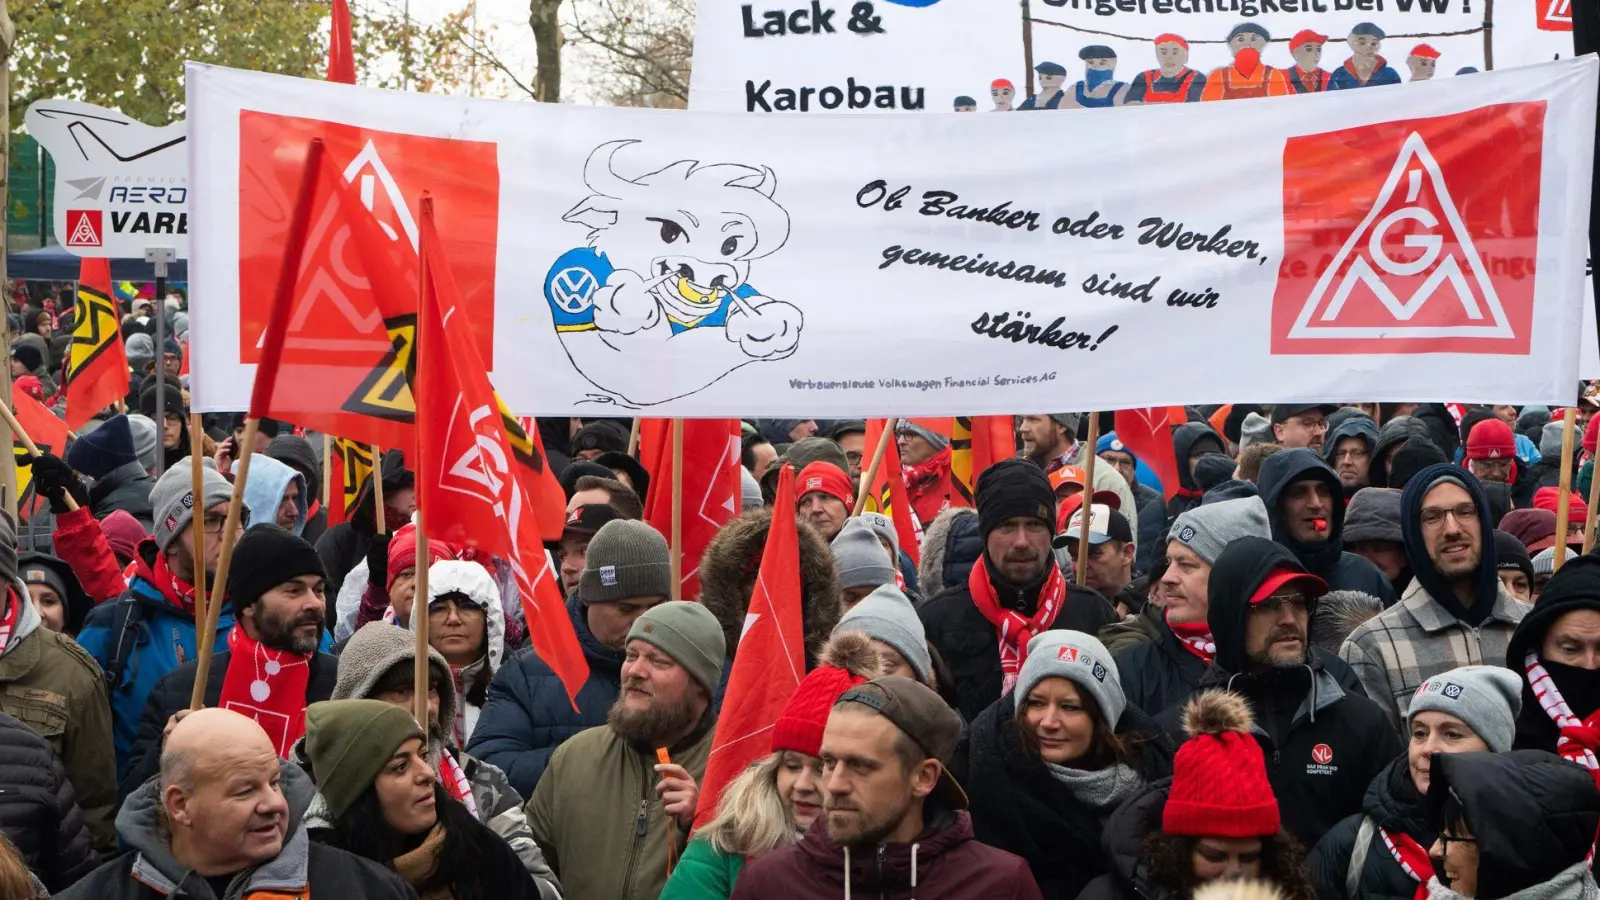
1102, 790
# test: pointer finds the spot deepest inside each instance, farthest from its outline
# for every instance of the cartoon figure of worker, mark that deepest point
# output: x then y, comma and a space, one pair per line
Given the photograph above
1002, 92
1306, 76
1422, 62
1172, 81
1051, 77
964, 103
1364, 68
1098, 88
1248, 76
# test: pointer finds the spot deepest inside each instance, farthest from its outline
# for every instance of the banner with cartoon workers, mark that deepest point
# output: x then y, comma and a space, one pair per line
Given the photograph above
704, 265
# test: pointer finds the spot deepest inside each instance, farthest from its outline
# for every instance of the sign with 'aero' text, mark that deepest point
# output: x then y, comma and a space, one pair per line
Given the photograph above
689, 264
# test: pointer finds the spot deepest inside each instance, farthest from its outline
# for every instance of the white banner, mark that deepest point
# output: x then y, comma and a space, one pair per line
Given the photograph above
1411, 244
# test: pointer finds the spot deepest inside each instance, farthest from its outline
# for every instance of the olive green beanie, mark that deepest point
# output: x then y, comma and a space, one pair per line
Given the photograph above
349, 742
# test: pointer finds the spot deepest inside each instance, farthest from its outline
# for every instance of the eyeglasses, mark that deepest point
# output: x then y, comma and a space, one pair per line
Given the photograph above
1312, 424
1352, 453
1465, 514
1497, 466
1279, 602
215, 522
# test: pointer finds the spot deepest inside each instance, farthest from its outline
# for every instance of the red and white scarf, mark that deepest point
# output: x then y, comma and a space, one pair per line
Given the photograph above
8, 622
454, 779
1195, 638
1014, 630
268, 686
1411, 856
1580, 738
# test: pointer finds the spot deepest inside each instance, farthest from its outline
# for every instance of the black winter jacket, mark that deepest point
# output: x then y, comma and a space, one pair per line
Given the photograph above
1325, 559
1127, 878
1152, 525
970, 645
1159, 674
1190, 439
127, 487
173, 692
1393, 803
38, 810
1019, 807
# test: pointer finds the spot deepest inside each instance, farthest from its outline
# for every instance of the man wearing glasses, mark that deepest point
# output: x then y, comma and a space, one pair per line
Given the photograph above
1348, 448
1456, 612
1301, 424
1491, 452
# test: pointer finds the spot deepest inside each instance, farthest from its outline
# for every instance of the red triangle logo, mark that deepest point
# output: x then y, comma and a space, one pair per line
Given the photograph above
83, 228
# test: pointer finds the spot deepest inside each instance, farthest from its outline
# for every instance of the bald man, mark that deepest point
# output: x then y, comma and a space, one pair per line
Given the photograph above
224, 807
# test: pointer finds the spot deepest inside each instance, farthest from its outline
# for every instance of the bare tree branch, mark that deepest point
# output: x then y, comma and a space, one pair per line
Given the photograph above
646, 48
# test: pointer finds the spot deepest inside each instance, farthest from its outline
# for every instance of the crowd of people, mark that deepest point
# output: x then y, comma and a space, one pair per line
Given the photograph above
1337, 659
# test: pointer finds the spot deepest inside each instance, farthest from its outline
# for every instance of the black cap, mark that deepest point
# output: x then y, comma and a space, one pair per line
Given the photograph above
589, 518
1097, 51
1282, 412
1509, 553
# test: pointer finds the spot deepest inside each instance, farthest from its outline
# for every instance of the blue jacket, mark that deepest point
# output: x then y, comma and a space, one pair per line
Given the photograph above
158, 638
527, 714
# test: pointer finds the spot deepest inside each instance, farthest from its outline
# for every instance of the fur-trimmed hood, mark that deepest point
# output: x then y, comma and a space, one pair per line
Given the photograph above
950, 543
728, 576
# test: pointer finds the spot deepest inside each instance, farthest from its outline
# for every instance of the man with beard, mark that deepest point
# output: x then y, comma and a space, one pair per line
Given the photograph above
981, 627
613, 809
1348, 449
1456, 611
1301, 424
1326, 741
271, 667
894, 817
1050, 441
1556, 651
1305, 501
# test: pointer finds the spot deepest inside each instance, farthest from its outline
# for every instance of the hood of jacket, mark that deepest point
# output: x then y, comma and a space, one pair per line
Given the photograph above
728, 570
454, 576
1184, 439
1533, 814
1124, 836
379, 648
951, 546
1236, 575
1575, 587
1284, 469
263, 493
1486, 581
1394, 432
942, 832
1355, 424
78, 602
1392, 800
295, 451
139, 826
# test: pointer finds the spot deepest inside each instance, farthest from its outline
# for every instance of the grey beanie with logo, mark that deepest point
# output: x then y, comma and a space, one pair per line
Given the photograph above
1487, 698
172, 497
1079, 658
1209, 528
626, 558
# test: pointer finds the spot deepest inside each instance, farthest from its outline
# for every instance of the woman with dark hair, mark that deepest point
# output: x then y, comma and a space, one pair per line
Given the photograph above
368, 758
1215, 819
1048, 763
467, 625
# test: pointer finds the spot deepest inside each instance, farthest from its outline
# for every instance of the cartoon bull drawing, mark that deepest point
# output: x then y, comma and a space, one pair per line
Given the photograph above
658, 305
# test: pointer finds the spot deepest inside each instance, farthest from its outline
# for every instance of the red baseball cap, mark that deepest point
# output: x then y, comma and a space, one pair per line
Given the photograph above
1285, 577
1424, 50
1306, 36
826, 478
999, 83
1170, 38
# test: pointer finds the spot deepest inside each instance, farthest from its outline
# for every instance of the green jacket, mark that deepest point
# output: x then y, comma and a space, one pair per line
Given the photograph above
598, 818
703, 874
55, 687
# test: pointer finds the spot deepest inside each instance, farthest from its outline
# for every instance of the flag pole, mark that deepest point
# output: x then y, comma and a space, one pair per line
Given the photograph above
1088, 498
380, 516
1594, 501
27, 442
327, 469
197, 529
419, 598
260, 396
677, 509
870, 473
1564, 506
633, 436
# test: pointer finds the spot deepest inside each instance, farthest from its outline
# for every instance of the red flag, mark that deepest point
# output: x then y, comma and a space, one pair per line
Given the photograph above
48, 433
467, 484
97, 367
341, 55
887, 494
710, 485
771, 658
1147, 433
976, 444
335, 505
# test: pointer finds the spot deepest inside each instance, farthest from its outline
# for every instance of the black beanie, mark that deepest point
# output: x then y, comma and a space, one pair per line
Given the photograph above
1014, 488
265, 557
28, 355
1212, 469
1414, 455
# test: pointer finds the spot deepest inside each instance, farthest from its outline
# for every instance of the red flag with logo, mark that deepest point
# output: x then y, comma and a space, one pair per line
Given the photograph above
467, 486
97, 364
341, 55
771, 657
887, 494
1147, 433
710, 484
976, 443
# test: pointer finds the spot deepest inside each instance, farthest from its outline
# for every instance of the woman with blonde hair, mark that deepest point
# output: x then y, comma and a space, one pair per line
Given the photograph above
771, 804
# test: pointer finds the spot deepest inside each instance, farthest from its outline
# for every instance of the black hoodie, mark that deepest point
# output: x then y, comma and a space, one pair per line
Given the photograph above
1576, 586
1325, 559
1390, 437
1189, 439
1394, 804
1486, 586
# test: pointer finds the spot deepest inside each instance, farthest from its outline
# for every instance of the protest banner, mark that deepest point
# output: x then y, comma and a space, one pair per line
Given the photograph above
1425, 248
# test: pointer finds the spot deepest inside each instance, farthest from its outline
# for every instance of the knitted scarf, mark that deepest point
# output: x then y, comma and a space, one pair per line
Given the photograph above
268, 686
926, 475
8, 622
1580, 738
1016, 631
454, 779
177, 592
1195, 638
419, 865
1412, 857
1102, 790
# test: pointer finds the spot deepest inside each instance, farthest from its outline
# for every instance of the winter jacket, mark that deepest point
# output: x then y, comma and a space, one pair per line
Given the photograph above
945, 861
599, 819
471, 682
127, 487
301, 868
39, 810
950, 547
81, 544
1189, 439
1019, 807
263, 493
1392, 803
55, 688
1125, 831
76, 604
1152, 523
728, 570
1325, 559
173, 693
970, 646
703, 874
136, 641
1442, 427
1394, 432
1137, 628
528, 715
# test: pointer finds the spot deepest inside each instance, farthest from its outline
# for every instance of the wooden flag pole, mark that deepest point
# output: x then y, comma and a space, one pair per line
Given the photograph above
419, 596
230, 536
633, 435
27, 442
327, 470
1594, 501
1564, 506
870, 473
1088, 498
197, 522
380, 516
677, 509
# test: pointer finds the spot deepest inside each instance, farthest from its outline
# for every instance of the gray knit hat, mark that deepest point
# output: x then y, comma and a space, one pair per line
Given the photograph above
172, 497
886, 615
1373, 515
883, 527
626, 558
1487, 698
1256, 428
1079, 658
376, 648
1550, 440
687, 632
1069, 421
938, 441
145, 435
1544, 562
749, 491
862, 561
1207, 529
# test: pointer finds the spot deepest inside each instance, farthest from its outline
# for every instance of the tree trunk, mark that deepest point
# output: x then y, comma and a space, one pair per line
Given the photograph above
546, 25
8, 462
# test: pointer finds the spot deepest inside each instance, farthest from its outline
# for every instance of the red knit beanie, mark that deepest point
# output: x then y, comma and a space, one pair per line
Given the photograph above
1550, 498
1219, 778
848, 659
827, 478
1491, 439
403, 552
